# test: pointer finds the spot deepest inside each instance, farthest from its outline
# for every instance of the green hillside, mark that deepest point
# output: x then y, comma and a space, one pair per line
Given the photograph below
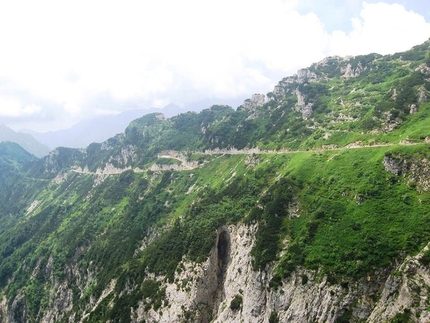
333, 168
24, 140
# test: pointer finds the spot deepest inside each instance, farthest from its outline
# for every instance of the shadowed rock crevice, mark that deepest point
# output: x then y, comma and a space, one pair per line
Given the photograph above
211, 291
223, 247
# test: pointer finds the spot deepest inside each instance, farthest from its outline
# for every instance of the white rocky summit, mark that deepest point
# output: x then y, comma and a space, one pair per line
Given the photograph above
256, 100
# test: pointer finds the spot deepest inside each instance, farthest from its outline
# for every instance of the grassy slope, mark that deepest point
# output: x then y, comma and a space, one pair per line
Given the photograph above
354, 216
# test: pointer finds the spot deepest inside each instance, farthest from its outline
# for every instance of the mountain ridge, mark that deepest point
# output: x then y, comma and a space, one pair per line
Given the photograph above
24, 140
100, 129
310, 205
95, 130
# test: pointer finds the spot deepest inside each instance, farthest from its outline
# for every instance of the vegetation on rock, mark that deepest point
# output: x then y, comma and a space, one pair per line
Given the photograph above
111, 232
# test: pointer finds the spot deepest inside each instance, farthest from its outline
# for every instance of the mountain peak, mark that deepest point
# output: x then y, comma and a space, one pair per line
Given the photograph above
312, 206
26, 141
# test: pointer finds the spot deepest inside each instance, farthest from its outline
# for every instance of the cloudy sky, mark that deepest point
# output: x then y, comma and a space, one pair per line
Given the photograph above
62, 61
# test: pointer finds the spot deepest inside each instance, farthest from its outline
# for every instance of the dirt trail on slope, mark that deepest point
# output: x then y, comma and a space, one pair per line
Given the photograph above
287, 151
185, 164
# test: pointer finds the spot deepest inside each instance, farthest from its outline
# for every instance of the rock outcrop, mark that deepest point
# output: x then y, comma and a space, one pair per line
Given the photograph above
256, 100
416, 170
225, 289
305, 108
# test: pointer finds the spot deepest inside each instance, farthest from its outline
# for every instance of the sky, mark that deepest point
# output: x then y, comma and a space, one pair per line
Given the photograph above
65, 61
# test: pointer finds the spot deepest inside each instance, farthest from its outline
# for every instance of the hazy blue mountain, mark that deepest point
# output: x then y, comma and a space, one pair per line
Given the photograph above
204, 104
98, 129
308, 204
14, 153
26, 141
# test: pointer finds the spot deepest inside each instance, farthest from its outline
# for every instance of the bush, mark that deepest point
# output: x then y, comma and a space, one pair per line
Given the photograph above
236, 303
425, 259
404, 317
270, 222
274, 317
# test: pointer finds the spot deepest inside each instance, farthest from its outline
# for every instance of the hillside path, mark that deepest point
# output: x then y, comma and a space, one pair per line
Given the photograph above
187, 165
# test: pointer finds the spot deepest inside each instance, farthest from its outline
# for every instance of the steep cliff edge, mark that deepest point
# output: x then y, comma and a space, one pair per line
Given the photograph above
233, 292
310, 204
225, 288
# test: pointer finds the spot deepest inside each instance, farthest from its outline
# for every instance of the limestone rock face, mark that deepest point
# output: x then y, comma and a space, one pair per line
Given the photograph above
393, 165
348, 71
405, 291
305, 108
256, 100
305, 75
204, 292
416, 170
339, 66
422, 96
423, 68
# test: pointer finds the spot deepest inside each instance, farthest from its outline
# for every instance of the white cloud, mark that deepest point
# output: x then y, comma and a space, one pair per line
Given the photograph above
31, 109
381, 28
70, 54
9, 107
12, 107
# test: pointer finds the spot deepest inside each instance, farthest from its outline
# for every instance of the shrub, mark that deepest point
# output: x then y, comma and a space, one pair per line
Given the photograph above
274, 318
236, 302
425, 259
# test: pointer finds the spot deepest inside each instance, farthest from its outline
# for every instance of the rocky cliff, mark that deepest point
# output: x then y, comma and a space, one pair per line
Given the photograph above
225, 288
310, 206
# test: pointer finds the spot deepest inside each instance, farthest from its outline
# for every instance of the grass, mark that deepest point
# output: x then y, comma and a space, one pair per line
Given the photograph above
355, 216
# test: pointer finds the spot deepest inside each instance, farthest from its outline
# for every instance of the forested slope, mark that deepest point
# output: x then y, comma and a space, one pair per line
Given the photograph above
308, 204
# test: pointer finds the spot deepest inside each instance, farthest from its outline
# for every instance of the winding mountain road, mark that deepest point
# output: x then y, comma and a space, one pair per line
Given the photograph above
187, 165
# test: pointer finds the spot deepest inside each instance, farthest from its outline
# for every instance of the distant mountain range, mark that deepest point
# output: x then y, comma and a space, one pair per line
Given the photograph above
308, 204
96, 130
13, 154
26, 141
100, 129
